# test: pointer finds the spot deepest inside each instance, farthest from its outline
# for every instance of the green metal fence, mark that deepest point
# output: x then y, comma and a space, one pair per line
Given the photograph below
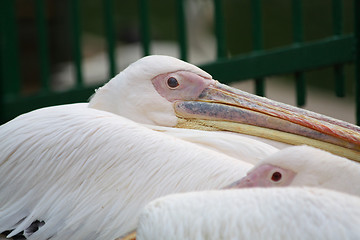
296, 58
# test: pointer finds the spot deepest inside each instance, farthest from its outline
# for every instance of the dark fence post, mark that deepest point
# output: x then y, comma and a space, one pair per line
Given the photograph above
181, 29
144, 26
257, 40
337, 9
357, 57
110, 36
42, 33
9, 50
219, 29
298, 38
76, 35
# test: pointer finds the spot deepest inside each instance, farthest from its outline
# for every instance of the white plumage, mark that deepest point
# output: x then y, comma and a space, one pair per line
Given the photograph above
244, 148
257, 213
86, 173
305, 166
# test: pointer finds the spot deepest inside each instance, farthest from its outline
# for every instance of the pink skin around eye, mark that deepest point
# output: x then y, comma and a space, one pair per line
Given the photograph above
265, 175
190, 85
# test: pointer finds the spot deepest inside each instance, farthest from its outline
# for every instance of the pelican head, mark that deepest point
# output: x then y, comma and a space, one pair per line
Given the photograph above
165, 91
304, 166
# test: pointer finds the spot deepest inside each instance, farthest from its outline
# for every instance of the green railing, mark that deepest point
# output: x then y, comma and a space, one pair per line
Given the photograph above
296, 58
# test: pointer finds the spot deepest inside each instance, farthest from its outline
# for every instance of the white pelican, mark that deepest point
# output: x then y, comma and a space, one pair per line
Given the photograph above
304, 166
165, 91
84, 173
80, 173
255, 213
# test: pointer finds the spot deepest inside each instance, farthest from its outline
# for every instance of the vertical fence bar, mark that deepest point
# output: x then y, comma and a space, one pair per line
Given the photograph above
257, 40
2, 63
220, 29
337, 9
76, 35
43, 43
181, 28
298, 38
110, 35
145, 26
357, 58
10, 58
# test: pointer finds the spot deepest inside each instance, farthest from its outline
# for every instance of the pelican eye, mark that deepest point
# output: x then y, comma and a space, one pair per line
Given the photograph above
172, 83
276, 176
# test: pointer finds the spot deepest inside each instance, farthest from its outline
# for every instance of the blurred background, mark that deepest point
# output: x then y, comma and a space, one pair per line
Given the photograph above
277, 31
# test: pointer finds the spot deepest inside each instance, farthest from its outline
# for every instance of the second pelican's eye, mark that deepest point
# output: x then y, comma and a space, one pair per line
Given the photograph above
276, 176
172, 82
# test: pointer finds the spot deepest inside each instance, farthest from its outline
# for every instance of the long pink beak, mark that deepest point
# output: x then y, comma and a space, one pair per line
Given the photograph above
226, 108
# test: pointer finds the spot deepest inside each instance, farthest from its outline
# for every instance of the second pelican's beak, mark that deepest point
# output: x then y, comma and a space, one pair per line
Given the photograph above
222, 107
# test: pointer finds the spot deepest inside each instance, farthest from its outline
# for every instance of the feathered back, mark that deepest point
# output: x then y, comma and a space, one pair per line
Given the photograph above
254, 213
87, 173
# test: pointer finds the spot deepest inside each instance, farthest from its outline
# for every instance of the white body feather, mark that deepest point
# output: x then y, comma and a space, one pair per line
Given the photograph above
87, 173
234, 145
257, 213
